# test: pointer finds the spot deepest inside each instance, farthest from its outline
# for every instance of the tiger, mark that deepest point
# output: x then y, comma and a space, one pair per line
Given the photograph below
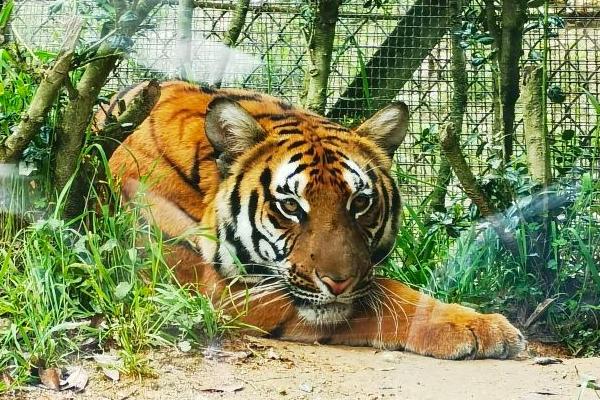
291, 214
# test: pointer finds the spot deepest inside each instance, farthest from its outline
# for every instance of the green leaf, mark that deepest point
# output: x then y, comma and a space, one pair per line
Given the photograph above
486, 40
122, 289
5, 13
56, 7
128, 18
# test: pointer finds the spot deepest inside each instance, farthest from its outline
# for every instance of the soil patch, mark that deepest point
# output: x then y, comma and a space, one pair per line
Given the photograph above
269, 369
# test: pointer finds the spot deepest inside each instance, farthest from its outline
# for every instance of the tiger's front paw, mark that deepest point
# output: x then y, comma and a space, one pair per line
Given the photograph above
468, 336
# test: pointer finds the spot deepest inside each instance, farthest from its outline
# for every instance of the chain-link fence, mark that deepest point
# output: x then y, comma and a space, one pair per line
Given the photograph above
271, 56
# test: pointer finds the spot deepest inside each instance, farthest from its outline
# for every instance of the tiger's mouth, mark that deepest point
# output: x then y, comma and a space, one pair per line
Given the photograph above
320, 308
325, 314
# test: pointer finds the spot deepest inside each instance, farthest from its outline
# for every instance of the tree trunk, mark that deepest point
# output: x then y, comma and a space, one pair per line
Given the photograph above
514, 16
77, 113
535, 135
237, 23
394, 63
185, 13
451, 147
44, 98
320, 47
457, 111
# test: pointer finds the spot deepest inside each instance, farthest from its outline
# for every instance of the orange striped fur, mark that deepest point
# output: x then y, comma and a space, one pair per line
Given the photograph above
306, 206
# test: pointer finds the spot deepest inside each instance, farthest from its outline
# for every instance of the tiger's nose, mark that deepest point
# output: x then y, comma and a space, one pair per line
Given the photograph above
336, 286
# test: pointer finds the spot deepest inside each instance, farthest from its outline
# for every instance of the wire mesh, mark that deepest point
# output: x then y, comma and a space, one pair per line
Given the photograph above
271, 56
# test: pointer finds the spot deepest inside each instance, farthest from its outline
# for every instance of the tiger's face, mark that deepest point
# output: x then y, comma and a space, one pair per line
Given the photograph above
306, 208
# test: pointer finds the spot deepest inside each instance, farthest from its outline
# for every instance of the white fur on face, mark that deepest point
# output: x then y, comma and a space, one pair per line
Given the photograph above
329, 314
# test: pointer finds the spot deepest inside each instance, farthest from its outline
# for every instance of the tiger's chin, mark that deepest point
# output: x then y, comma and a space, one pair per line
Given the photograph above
325, 314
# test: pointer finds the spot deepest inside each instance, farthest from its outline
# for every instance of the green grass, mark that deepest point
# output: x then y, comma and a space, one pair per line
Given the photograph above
480, 273
91, 284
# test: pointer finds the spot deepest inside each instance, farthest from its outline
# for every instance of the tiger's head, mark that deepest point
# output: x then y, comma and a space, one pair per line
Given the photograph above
306, 203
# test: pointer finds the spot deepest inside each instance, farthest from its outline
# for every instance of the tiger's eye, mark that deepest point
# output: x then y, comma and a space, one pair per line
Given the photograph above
290, 206
359, 203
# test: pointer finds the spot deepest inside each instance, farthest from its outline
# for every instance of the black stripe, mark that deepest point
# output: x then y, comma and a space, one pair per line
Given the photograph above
295, 157
235, 201
240, 251
171, 163
242, 97
343, 164
256, 235
195, 172
334, 138
396, 203
296, 144
289, 132
287, 124
272, 117
274, 221
299, 169
386, 212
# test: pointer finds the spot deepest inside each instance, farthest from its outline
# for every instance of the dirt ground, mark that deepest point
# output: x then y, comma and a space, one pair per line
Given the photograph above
268, 369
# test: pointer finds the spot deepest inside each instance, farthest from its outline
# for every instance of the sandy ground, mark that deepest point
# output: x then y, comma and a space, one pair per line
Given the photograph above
267, 369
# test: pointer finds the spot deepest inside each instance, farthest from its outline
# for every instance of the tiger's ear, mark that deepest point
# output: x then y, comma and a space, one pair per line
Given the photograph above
387, 128
231, 131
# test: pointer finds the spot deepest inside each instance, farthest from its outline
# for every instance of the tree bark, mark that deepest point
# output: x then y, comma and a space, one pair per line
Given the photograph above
77, 113
514, 16
535, 135
185, 13
394, 63
320, 48
457, 110
451, 147
44, 98
232, 35
237, 23
116, 130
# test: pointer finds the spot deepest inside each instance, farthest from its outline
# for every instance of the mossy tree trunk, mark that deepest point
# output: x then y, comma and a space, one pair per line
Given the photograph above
77, 113
539, 165
534, 127
437, 197
238, 20
236, 25
320, 47
44, 97
508, 43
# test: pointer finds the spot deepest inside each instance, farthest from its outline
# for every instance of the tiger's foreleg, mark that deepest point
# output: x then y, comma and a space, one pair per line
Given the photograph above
397, 317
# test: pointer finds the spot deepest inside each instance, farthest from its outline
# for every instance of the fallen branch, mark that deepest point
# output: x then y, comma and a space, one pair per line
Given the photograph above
44, 97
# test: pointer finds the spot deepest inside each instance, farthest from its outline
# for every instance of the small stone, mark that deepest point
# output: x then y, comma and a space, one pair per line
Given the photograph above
306, 387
